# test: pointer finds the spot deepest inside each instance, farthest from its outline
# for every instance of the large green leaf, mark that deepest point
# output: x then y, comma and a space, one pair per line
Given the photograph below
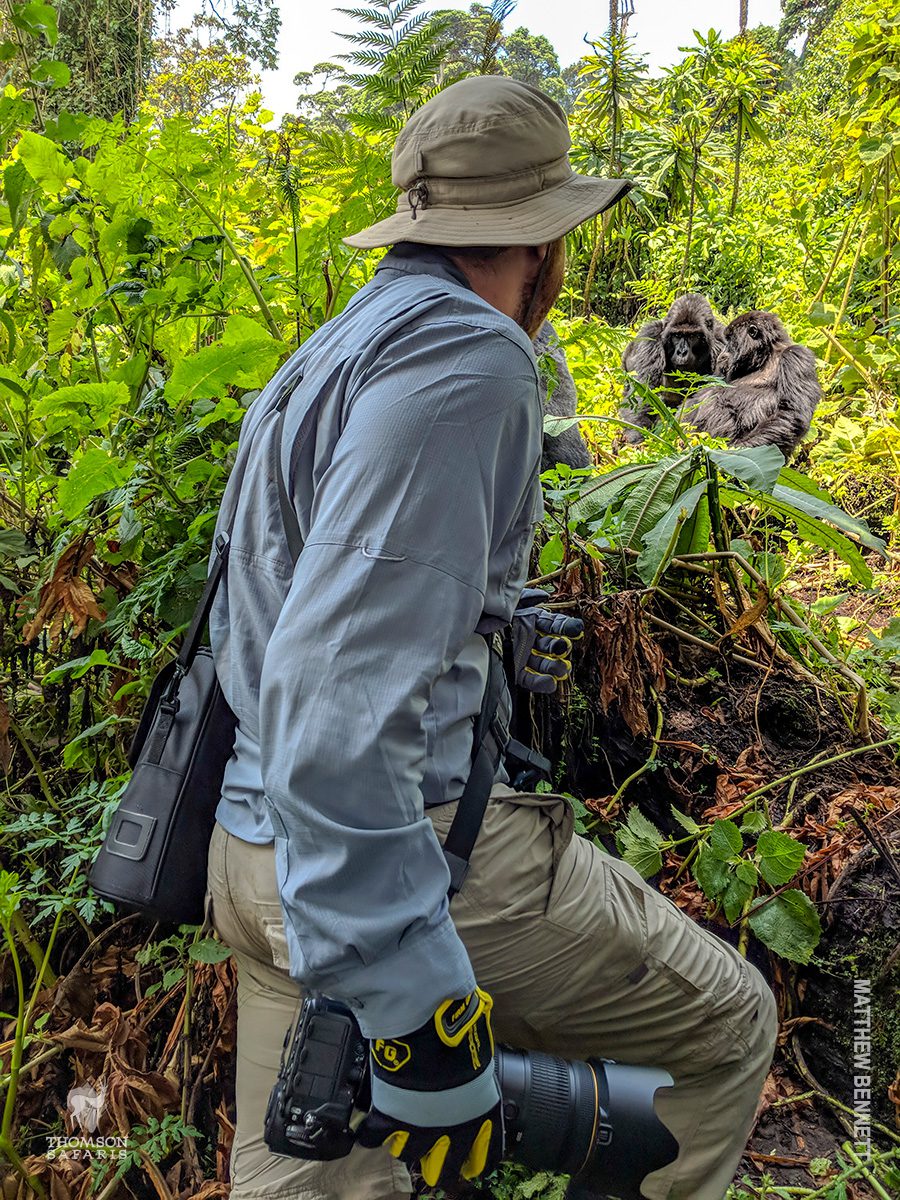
791, 478
742, 881
13, 544
43, 161
36, 19
660, 542
639, 841
810, 529
651, 498
787, 924
245, 357
711, 872
758, 466
93, 474
725, 840
81, 407
597, 496
780, 857
825, 511
17, 185
554, 426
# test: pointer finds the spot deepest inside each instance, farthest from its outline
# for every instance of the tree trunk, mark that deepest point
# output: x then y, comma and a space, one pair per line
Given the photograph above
695, 169
613, 18
744, 5
738, 149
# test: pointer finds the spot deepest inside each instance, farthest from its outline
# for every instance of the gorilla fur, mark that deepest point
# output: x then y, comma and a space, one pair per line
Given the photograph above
686, 341
568, 447
771, 391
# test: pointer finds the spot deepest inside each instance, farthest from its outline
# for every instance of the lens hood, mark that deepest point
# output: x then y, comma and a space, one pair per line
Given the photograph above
632, 1141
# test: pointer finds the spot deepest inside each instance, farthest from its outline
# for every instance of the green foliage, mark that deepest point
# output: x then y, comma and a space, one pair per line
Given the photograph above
158, 264
731, 872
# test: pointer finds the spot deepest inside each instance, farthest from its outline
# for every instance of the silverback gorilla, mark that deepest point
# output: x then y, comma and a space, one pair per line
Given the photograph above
772, 387
686, 341
568, 447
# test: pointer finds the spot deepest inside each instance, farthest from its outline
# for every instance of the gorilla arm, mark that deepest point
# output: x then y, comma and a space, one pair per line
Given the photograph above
799, 390
568, 447
783, 420
645, 359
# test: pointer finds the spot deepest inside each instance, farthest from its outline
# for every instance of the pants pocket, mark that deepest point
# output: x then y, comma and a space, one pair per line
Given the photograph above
556, 810
700, 964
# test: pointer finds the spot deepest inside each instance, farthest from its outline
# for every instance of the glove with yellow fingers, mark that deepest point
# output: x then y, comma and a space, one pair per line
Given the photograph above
435, 1099
542, 643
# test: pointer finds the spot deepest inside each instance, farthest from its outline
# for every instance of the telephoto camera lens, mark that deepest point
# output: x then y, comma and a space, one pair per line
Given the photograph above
592, 1120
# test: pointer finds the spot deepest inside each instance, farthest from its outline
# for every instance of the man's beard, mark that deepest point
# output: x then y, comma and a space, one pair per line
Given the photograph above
538, 298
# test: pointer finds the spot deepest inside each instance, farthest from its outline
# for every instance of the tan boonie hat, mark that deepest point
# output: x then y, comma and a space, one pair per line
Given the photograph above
485, 163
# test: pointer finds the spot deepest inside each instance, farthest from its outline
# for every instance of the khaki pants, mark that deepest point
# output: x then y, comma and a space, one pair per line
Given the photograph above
582, 959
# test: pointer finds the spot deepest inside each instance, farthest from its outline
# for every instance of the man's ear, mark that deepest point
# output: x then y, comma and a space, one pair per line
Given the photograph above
536, 256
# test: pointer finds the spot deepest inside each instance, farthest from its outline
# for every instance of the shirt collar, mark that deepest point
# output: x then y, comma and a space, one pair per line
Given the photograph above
414, 259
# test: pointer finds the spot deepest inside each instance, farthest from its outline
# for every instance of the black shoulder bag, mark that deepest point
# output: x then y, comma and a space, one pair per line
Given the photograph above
153, 857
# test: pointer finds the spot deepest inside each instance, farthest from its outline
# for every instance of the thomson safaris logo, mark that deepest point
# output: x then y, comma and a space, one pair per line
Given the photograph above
84, 1105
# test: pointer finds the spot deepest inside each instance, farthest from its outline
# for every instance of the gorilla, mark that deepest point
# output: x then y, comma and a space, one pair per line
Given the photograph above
771, 389
568, 447
686, 341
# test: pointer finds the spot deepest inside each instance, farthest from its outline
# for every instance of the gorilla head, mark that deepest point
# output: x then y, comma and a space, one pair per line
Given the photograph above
750, 340
689, 336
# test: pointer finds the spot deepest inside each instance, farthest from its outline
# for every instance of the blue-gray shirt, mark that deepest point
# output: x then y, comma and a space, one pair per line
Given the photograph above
356, 674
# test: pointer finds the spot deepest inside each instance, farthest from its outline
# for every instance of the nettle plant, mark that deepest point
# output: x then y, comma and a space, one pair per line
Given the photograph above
732, 862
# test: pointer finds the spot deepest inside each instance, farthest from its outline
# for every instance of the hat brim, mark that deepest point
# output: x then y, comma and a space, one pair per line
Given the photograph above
529, 222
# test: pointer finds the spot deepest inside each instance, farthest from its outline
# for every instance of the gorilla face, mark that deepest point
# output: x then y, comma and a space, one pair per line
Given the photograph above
749, 342
688, 350
688, 335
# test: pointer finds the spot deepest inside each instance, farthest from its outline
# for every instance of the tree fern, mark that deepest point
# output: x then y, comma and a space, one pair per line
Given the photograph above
487, 58
399, 53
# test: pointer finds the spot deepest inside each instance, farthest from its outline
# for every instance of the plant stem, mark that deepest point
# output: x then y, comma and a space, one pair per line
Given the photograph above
645, 766
865, 1172
15, 1061
20, 737
8, 1150
813, 766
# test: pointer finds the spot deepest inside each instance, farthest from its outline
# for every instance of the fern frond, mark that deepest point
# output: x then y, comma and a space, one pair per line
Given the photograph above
368, 16
362, 58
411, 26
377, 122
399, 11
370, 38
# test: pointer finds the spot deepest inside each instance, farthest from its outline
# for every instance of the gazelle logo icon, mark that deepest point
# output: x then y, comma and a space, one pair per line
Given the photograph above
85, 1104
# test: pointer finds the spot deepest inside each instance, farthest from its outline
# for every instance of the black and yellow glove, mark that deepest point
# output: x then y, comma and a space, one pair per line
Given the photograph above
435, 1099
542, 643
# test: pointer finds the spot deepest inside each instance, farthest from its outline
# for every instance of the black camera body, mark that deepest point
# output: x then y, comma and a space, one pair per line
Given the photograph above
592, 1120
323, 1079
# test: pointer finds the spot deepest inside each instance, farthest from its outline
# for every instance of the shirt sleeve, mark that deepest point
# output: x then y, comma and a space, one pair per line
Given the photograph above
436, 459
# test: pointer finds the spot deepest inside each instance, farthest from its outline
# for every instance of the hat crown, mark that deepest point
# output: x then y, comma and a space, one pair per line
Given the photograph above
486, 127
